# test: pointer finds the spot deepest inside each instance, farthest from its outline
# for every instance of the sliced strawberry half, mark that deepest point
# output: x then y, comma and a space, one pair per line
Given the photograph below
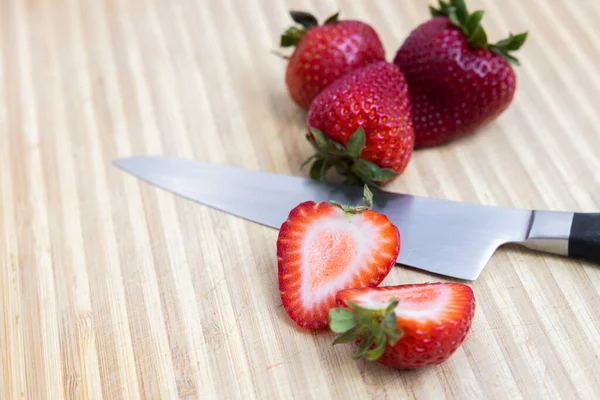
323, 248
407, 326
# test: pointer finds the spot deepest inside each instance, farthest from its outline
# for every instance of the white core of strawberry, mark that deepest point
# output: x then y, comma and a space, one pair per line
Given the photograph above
411, 304
347, 227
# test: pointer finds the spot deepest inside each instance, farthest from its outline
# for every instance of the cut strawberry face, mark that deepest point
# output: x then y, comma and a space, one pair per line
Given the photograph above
324, 248
416, 302
406, 326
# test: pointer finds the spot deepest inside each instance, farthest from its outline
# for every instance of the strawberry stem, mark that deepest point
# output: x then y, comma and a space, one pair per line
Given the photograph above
367, 203
470, 25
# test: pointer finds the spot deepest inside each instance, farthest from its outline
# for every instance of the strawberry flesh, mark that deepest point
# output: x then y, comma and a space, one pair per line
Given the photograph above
322, 249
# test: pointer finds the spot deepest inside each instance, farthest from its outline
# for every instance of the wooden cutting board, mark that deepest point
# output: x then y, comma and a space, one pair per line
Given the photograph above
110, 288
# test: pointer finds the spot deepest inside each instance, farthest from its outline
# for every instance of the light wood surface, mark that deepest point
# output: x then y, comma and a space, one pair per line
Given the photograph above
110, 288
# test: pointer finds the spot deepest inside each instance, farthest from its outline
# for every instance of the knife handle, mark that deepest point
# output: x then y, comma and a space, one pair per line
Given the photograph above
565, 233
584, 239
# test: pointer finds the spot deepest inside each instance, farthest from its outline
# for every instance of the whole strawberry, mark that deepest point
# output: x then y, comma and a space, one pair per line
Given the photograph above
362, 125
458, 81
325, 53
406, 326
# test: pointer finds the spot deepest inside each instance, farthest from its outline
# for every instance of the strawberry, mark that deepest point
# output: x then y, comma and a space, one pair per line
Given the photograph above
362, 125
324, 248
457, 80
325, 53
406, 326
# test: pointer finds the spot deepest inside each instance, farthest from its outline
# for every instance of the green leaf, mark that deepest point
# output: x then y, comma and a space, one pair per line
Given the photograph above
356, 307
380, 336
478, 39
305, 19
519, 40
513, 43
291, 37
501, 44
374, 354
385, 174
511, 59
461, 10
443, 7
321, 140
352, 180
367, 197
308, 160
367, 173
373, 168
348, 337
393, 304
393, 335
342, 206
363, 347
454, 17
377, 330
324, 168
341, 319
378, 174
332, 19
315, 169
356, 143
390, 321
361, 169
472, 23
338, 148
286, 41
435, 12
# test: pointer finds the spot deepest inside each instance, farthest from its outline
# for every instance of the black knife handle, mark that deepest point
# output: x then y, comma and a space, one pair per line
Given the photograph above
584, 239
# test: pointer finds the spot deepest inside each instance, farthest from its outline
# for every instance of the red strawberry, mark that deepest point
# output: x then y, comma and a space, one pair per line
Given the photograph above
324, 248
325, 53
362, 125
406, 326
458, 81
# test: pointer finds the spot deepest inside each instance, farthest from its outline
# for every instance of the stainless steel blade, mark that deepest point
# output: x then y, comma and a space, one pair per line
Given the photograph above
445, 237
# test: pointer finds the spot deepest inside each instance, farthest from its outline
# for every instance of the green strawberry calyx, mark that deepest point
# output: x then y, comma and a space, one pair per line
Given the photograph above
470, 25
304, 21
367, 203
374, 329
346, 160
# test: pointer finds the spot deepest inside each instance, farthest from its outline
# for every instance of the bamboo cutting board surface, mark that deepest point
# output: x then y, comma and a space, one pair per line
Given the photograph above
110, 288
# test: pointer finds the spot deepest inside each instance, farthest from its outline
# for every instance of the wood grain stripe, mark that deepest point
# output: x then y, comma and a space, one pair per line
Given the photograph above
12, 370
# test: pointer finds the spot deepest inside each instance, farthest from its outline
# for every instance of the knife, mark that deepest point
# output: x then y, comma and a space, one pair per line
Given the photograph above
441, 236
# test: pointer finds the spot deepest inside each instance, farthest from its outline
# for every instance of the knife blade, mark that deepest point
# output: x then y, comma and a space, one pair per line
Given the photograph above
441, 236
